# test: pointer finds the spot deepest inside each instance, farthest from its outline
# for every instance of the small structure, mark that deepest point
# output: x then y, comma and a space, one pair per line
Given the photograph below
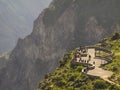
88, 56
81, 56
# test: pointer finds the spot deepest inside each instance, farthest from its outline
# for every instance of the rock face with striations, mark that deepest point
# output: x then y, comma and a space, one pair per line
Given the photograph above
64, 25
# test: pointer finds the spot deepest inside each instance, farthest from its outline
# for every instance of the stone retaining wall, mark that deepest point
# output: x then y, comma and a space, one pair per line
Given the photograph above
108, 57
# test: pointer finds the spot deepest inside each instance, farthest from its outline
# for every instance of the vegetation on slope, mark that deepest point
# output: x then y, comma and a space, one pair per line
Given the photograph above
70, 77
114, 43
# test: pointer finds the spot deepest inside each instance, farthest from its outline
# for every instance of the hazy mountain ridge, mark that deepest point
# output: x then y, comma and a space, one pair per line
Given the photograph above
16, 20
80, 23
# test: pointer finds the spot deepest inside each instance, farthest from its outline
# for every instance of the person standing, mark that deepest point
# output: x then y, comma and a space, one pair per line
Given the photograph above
89, 57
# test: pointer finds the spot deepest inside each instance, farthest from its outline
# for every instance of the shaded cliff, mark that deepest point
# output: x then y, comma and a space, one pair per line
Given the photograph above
64, 25
16, 20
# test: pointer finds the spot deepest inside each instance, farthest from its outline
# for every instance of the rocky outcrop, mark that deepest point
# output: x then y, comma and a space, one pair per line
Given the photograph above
64, 25
16, 20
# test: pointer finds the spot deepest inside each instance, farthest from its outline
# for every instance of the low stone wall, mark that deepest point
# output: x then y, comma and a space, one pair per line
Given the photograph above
79, 63
108, 57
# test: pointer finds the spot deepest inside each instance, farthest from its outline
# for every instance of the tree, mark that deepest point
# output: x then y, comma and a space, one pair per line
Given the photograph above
115, 36
100, 84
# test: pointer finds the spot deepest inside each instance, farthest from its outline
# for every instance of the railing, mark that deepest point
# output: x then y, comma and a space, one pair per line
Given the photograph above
107, 58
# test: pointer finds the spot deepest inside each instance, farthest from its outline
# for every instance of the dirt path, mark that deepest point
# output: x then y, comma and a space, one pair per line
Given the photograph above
104, 74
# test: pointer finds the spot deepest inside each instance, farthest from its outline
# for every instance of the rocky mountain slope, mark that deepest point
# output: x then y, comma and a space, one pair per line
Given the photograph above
69, 75
16, 20
64, 25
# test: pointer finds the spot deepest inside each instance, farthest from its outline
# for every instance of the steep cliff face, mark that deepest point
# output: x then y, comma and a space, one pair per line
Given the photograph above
65, 25
16, 20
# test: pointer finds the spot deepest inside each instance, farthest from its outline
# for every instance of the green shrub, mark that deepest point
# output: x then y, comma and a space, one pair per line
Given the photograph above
65, 60
115, 36
85, 87
79, 68
60, 83
62, 63
100, 84
115, 69
114, 87
72, 78
73, 66
52, 7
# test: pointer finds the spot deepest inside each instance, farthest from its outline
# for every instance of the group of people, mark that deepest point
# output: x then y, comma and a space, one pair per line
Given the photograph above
82, 50
79, 54
82, 56
85, 70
